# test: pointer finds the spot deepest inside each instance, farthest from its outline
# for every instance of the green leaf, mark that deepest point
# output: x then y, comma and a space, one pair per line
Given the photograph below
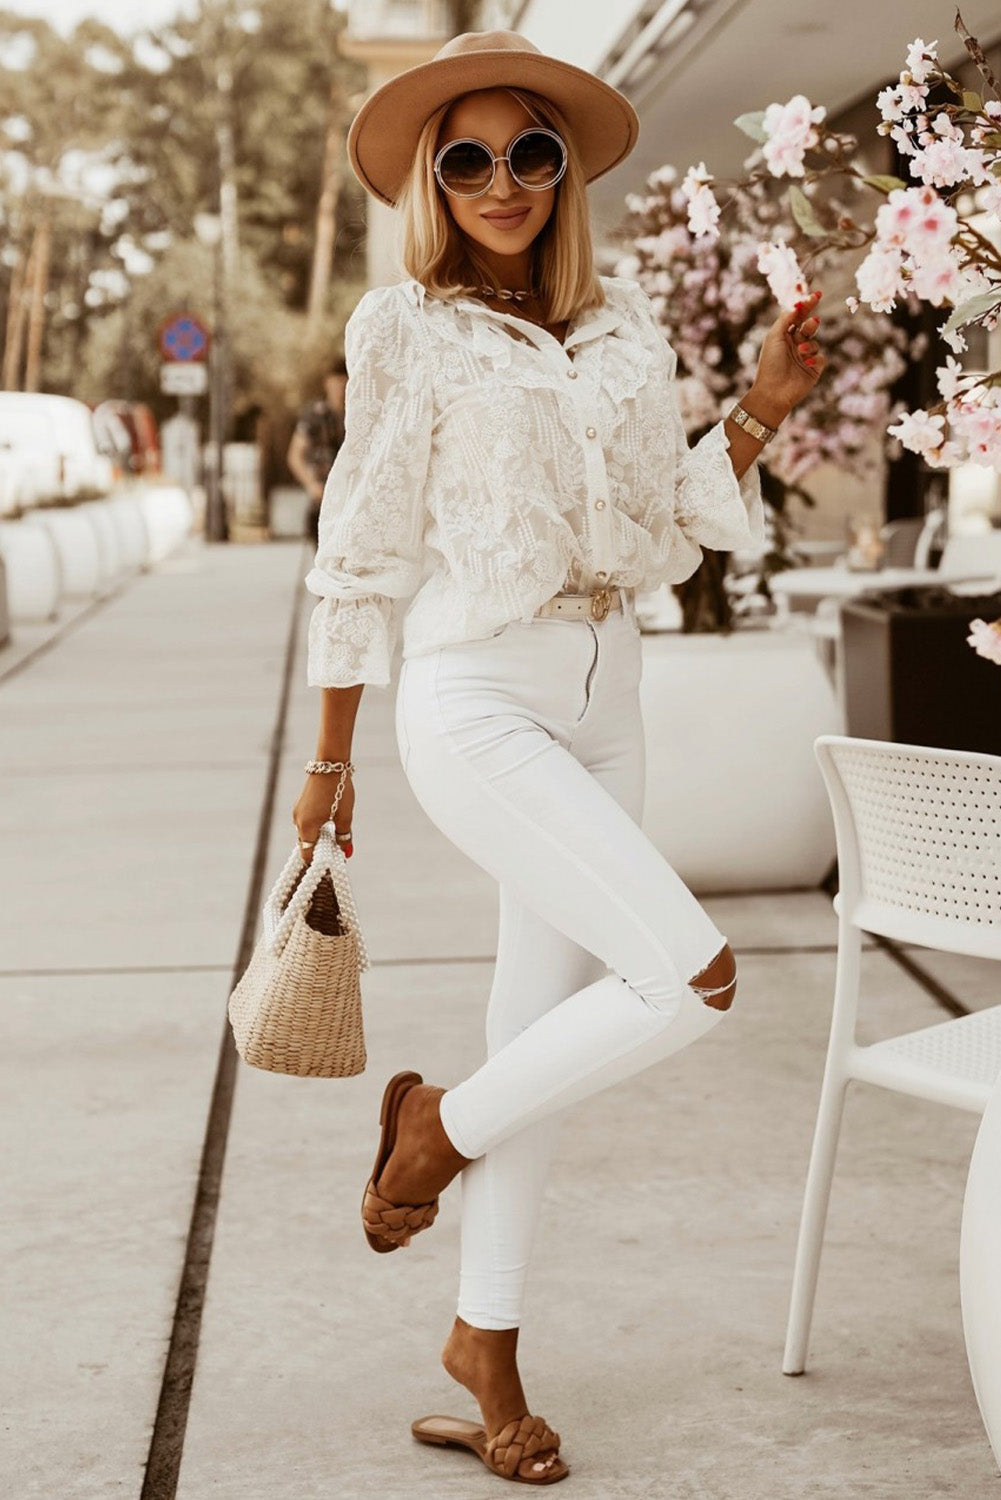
803, 213
884, 183
992, 139
752, 125
974, 308
972, 100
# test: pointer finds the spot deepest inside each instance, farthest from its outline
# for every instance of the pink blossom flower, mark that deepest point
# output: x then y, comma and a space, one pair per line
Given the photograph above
896, 218
790, 131
936, 280
943, 163
985, 638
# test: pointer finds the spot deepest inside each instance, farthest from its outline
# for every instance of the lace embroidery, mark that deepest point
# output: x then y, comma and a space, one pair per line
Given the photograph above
467, 489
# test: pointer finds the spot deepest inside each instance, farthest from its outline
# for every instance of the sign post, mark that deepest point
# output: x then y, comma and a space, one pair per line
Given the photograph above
184, 343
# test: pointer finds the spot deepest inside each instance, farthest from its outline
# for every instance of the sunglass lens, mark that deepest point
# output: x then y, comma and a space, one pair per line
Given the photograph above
537, 159
465, 168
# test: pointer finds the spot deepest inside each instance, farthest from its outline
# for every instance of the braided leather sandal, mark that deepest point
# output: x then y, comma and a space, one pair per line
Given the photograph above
390, 1225
523, 1437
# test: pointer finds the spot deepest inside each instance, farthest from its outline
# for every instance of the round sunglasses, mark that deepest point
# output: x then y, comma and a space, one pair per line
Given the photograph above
536, 159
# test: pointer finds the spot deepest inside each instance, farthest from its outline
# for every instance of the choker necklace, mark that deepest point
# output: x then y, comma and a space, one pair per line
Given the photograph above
505, 294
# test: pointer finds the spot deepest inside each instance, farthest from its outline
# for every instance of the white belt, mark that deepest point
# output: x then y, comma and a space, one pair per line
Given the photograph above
582, 606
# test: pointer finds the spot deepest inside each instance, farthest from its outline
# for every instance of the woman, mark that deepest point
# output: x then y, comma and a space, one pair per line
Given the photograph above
514, 468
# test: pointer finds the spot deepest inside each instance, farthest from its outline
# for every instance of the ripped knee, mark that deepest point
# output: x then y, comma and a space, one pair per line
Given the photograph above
716, 985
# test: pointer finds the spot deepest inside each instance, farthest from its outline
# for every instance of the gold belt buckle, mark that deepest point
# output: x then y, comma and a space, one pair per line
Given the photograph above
601, 603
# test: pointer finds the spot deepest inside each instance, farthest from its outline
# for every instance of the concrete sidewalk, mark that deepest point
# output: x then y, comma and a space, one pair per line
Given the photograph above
135, 756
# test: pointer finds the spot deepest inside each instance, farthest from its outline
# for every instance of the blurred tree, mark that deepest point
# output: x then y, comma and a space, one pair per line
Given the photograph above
57, 94
285, 68
110, 146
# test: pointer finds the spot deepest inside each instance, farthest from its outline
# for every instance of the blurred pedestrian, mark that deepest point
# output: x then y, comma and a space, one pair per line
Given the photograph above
317, 438
514, 468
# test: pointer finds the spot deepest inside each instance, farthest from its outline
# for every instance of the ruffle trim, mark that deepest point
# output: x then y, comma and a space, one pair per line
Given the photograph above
351, 641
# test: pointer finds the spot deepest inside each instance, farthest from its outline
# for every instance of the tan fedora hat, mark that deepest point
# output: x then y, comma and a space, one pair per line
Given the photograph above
382, 139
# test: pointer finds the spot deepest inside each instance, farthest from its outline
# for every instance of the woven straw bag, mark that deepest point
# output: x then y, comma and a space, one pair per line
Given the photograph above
297, 1008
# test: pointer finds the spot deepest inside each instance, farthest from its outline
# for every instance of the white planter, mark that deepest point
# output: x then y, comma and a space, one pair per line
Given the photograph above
288, 511
98, 515
33, 573
130, 528
75, 541
734, 796
168, 514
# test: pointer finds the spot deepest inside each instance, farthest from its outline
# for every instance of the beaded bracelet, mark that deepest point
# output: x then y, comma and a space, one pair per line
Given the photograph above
328, 765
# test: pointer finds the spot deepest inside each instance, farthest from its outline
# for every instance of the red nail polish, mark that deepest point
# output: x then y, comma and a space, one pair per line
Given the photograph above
809, 361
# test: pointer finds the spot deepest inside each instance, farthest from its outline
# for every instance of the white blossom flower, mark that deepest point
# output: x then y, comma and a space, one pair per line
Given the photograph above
918, 431
947, 378
985, 638
781, 269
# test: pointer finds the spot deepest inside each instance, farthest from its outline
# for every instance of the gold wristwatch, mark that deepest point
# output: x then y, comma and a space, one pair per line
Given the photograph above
750, 424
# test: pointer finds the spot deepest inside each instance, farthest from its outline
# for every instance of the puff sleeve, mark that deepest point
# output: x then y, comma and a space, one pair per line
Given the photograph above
711, 507
369, 556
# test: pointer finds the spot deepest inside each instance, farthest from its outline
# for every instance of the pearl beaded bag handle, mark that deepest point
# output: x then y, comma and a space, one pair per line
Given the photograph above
328, 859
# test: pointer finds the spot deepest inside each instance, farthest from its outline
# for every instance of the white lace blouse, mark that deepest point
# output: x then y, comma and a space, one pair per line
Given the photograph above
486, 467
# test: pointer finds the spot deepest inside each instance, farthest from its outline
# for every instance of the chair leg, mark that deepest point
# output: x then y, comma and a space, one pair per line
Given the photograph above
812, 1222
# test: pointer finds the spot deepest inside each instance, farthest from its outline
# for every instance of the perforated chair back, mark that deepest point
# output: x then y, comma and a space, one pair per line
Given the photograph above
919, 841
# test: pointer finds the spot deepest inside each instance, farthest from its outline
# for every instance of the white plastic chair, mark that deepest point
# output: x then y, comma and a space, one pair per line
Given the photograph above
919, 855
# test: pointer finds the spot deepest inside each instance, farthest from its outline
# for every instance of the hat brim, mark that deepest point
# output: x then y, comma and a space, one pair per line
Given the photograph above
382, 139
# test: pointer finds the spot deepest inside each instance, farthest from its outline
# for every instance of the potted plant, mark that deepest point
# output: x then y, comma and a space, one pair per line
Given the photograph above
921, 244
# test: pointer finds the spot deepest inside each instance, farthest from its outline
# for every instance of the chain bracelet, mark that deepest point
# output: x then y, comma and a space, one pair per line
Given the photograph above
341, 766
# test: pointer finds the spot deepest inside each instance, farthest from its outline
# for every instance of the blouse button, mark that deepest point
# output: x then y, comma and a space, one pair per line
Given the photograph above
601, 574
571, 374
591, 432
599, 505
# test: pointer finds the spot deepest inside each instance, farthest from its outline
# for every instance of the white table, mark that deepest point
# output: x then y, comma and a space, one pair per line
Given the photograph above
813, 584
980, 1269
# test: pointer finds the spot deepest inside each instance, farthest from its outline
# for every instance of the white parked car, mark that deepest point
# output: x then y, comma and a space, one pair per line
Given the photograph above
20, 482
29, 458
54, 439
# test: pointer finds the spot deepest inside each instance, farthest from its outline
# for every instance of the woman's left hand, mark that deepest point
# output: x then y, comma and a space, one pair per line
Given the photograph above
790, 362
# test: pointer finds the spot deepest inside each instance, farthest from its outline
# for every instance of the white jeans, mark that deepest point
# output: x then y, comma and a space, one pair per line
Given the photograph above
527, 750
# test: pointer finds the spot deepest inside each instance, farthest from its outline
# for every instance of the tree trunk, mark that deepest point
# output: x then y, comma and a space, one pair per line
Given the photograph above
14, 338
326, 210
36, 322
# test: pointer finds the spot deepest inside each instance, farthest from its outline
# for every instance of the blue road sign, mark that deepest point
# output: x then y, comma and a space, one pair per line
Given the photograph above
184, 338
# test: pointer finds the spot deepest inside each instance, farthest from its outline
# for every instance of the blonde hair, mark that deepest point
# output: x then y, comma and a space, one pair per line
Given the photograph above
436, 253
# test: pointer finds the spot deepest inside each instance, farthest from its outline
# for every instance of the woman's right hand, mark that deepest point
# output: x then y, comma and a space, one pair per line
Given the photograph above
312, 809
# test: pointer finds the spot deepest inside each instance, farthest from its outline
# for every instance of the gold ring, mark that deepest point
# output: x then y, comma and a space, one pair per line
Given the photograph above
307, 844
344, 838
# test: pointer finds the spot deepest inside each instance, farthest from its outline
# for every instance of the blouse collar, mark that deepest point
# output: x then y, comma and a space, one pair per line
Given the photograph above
580, 329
